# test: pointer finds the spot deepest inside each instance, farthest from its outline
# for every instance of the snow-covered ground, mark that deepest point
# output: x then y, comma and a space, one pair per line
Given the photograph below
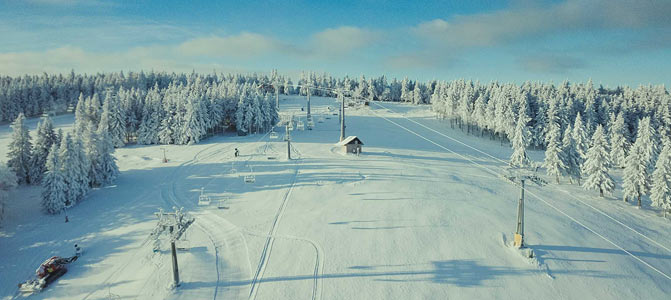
418, 215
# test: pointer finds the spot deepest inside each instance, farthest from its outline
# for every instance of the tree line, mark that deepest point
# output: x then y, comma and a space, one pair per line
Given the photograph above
585, 130
567, 120
66, 165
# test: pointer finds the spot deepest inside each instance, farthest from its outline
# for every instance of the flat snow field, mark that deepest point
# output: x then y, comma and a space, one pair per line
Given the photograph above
418, 215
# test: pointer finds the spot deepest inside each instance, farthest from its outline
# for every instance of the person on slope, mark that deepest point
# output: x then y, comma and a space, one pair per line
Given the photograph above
237, 152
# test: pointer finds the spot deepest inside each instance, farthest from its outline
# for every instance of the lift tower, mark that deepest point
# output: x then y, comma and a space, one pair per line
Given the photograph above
516, 175
342, 117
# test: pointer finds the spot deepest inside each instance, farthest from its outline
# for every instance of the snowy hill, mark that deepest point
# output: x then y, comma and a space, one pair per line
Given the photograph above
422, 213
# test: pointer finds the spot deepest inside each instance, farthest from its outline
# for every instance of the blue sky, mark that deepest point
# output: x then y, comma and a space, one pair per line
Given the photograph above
614, 42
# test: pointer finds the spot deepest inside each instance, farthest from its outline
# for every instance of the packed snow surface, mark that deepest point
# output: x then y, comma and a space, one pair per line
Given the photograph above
422, 213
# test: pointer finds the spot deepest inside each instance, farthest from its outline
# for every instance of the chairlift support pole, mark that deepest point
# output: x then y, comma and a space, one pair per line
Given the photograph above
342, 118
176, 226
519, 233
308, 116
277, 97
288, 143
175, 267
514, 177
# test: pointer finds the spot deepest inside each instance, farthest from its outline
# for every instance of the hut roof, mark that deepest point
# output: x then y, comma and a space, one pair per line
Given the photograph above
349, 140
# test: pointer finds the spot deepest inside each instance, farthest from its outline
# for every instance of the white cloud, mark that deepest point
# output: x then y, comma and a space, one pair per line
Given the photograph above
93, 33
419, 60
64, 59
519, 23
341, 41
244, 45
551, 63
329, 43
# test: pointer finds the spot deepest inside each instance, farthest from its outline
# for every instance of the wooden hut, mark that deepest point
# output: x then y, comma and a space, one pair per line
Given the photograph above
351, 144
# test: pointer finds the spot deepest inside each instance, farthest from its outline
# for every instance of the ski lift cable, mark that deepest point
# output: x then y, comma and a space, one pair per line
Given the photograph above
505, 162
500, 176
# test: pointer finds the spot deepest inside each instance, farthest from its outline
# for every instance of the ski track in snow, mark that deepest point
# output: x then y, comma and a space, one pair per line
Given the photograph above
537, 196
271, 236
173, 198
267, 248
319, 260
210, 227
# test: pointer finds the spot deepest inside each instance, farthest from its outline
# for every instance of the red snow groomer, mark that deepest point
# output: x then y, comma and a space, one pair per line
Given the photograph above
50, 270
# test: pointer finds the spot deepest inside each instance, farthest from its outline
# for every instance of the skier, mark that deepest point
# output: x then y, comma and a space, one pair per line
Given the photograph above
78, 250
237, 152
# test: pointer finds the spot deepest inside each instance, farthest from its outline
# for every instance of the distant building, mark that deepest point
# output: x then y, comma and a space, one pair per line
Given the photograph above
351, 144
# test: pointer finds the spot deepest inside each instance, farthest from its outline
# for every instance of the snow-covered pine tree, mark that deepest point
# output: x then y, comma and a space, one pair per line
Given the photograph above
53, 185
249, 117
372, 90
130, 110
116, 121
93, 112
166, 129
288, 87
647, 138
192, 130
259, 119
83, 168
555, 162
619, 142
501, 109
45, 138
361, 91
92, 151
80, 114
108, 166
552, 116
66, 157
661, 181
580, 137
74, 169
509, 117
20, 150
636, 180
8, 181
480, 112
240, 124
270, 113
417, 95
149, 127
573, 160
596, 165
540, 124
520, 141
58, 137
406, 93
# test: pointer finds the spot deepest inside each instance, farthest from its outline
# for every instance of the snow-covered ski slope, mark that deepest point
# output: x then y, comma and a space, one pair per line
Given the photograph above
418, 215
